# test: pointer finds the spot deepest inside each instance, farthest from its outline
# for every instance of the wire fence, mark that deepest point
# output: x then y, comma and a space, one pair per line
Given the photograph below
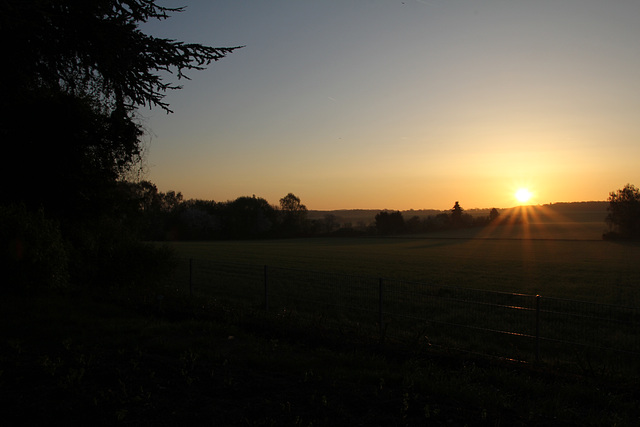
507, 325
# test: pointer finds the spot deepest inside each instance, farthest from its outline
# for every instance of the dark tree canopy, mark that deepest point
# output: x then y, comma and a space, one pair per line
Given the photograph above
456, 211
457, 215
95, 49
389, 222
248, 217
293, 214
291, 204
74, 74
624, 212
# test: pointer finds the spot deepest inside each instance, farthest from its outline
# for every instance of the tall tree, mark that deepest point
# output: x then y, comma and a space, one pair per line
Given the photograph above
624, 212
456, 215
74, 74
294, 214
248, 217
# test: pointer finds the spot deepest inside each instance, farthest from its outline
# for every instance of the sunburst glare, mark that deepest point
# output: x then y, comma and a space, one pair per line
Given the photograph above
523, 195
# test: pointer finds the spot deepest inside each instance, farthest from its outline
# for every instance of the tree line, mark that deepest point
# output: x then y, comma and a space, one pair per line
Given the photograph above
623, 215
167, 216
393, 222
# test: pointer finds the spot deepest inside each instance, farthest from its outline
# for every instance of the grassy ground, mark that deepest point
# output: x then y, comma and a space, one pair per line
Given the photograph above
577, 270
130, 358
108, 359
590, 270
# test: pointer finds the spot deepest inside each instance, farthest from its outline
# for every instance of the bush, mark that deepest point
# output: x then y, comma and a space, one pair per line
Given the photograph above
107, 254
36, 254
624, 213
33, 252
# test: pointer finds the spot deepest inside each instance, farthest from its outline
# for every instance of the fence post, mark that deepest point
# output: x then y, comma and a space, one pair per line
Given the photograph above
380, 305
190, 277
537, 328
266, 290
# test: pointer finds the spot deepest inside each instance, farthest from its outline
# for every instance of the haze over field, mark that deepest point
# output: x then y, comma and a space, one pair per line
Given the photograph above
410, 104
574, 221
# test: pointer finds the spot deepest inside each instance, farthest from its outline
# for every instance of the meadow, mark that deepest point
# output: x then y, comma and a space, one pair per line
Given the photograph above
148, 357
575, 264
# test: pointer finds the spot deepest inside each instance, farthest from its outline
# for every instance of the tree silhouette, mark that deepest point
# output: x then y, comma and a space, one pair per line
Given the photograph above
624, 213
456, 215
74, 74
293, 214
389, 222
248, 217
95, 49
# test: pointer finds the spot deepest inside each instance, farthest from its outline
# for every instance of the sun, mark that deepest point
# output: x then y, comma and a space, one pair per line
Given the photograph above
523, 195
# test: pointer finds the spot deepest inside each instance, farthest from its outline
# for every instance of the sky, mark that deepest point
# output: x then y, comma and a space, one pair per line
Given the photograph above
414, 104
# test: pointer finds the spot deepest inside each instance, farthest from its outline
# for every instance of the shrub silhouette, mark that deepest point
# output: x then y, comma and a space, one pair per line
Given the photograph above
34, 254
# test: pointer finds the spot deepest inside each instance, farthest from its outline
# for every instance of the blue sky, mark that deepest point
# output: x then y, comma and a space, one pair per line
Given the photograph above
403, 104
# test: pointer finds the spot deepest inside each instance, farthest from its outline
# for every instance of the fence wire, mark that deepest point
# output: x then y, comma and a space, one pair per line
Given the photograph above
510, 325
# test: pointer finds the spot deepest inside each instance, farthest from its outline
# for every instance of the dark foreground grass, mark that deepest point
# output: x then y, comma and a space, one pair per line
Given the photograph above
80, 359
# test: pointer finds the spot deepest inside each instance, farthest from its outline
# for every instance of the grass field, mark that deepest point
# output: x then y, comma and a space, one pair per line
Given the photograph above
79, 359
127, 357
582, 267
430, 283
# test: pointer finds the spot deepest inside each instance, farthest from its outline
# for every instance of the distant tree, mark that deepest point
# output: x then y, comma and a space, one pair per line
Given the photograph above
152, 213
442, 220
293, 214
414, 224
331, 223
624, 213
146, 195
362, 226
291, 204
494, 214
196, 223
248, 217
389, 222
457, 215
170, 200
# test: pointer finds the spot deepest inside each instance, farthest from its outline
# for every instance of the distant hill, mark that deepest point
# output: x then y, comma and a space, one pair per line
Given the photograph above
554, 212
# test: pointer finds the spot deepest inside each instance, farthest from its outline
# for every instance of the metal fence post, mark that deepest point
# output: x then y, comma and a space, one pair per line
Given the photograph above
266, 290
190, 276
537, 328
380, 305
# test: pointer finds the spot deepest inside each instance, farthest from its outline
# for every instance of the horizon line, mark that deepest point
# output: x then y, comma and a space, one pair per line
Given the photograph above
466, 209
